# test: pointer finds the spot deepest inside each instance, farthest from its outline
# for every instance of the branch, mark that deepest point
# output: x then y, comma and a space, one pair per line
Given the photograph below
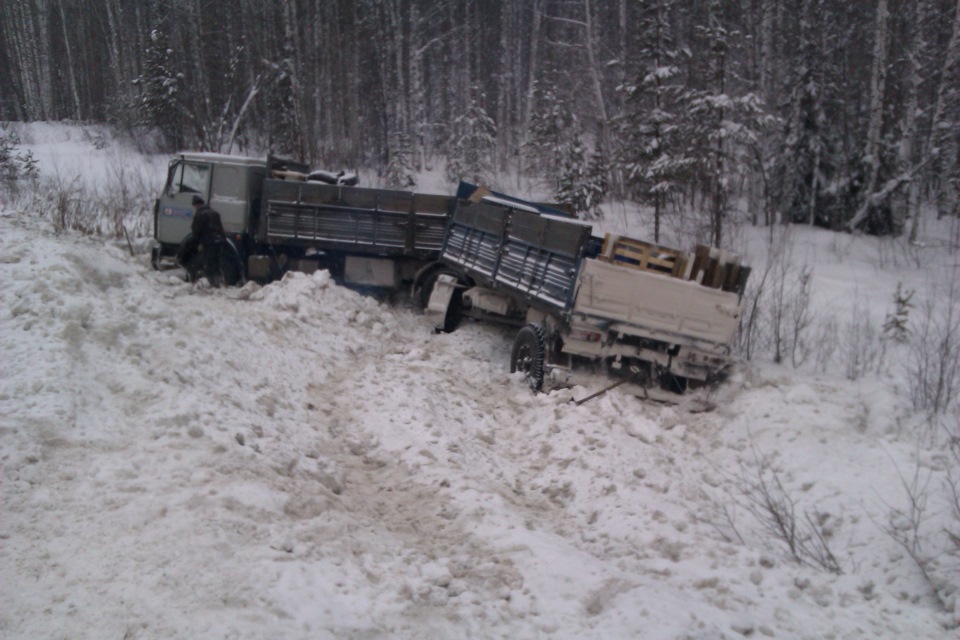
888, 188
243, 110
577, 23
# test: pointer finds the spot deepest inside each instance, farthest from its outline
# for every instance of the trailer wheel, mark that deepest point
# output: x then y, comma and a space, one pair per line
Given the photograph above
528, 355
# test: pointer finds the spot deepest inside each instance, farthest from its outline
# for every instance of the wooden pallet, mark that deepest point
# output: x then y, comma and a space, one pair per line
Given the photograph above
644, 256
707, 266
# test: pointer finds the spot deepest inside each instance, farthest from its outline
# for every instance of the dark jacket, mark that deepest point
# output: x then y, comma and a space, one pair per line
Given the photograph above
207, 228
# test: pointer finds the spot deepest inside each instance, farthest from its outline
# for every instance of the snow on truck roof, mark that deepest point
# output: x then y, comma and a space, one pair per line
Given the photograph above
222, 158
543, 212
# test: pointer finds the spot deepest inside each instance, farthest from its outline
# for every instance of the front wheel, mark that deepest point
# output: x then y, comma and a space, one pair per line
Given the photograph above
529, 354
231, 265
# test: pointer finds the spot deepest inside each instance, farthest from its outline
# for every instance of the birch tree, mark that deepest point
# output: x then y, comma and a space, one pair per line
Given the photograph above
878, 84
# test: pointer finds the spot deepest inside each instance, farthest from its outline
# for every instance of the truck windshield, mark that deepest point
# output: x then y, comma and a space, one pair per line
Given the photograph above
192, 178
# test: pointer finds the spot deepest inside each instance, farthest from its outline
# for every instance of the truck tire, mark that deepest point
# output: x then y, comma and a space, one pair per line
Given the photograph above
231, 265
528, 355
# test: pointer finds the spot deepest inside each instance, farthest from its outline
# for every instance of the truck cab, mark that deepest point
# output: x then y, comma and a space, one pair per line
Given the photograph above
232, 185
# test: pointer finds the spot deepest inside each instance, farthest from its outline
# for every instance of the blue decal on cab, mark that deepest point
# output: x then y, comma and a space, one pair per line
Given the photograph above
176, 212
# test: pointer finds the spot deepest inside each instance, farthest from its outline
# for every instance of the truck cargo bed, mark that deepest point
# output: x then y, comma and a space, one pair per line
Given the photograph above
348, 219
656, 306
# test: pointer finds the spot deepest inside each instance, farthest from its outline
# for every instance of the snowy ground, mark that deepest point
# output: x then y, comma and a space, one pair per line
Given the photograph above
301, 461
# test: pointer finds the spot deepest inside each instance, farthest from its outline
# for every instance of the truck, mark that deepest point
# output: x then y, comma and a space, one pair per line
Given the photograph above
277, 217
657, 319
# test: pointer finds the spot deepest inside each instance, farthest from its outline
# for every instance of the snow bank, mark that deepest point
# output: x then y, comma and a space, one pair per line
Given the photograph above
301, 461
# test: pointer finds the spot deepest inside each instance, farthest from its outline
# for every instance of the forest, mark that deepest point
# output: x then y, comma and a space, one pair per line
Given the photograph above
839, 114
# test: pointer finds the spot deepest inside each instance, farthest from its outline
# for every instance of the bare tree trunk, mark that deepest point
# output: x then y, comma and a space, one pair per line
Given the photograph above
74, 91
533, 68
908, 143
931, 150
418, 106
20, 69
767, 70
946, 123
505, 108
42, 60
290, 34
113, 46
878, 84
593, 60
400, 95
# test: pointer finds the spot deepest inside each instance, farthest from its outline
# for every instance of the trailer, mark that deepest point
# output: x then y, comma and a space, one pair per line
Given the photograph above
658, 319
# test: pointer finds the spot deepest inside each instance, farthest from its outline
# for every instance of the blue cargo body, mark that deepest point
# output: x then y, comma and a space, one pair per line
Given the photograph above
532, 255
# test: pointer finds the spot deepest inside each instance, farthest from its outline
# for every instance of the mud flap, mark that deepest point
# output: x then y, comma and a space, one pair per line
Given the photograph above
444, 296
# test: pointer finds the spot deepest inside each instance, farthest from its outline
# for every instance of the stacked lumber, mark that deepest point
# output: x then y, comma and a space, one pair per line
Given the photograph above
719, 269
288, 175
707, 266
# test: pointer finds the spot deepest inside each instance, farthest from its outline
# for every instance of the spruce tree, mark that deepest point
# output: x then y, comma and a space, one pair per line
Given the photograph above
570, 181
160, 87
400, 172
472, 144
651, 153
595, 185
548, 131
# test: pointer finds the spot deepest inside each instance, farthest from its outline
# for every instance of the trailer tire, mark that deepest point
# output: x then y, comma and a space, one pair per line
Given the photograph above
528, 355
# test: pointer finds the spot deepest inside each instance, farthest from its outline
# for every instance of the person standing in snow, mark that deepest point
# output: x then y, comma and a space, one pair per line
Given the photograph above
207, 238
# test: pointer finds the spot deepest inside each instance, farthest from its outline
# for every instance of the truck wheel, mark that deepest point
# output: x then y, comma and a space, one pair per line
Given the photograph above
155, 255
528, 355
231, 265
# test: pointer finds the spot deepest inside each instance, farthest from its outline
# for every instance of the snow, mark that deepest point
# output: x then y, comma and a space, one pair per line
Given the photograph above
301, 461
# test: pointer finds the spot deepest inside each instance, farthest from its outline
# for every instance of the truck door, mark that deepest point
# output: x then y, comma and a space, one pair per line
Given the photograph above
185, 179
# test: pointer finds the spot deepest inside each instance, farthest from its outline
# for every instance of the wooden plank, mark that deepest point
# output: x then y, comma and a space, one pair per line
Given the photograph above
289, 175
700, 262
682, 265
719, 273
741, 285
639, 245
645, 257
733, 276
479, 194
606, 251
